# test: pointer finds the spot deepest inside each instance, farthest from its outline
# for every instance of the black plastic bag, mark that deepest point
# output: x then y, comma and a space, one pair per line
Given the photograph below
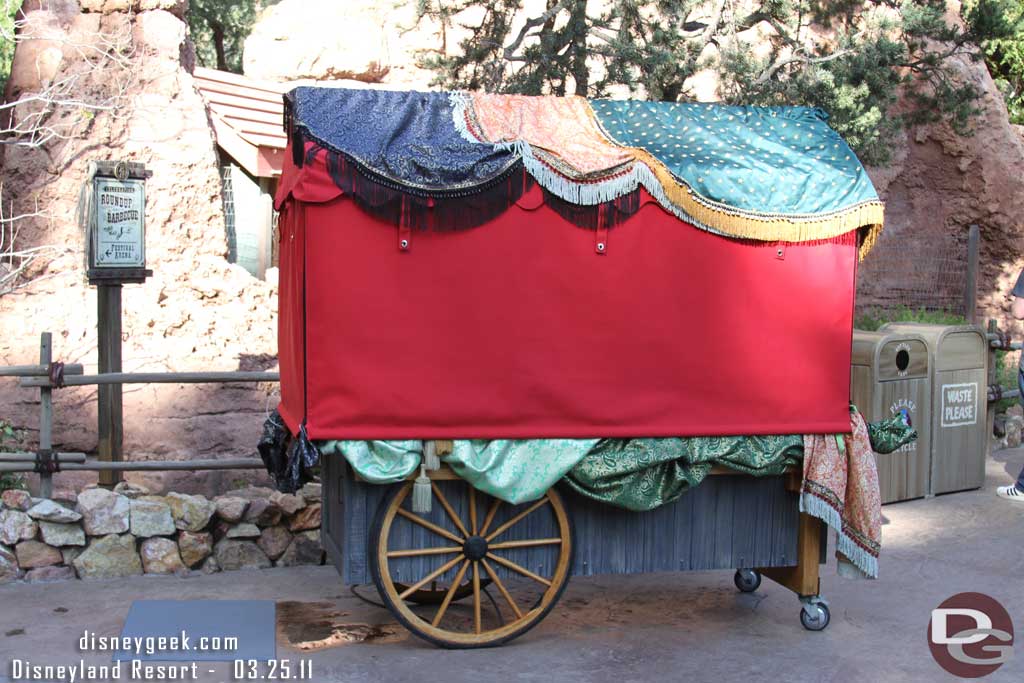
289, 460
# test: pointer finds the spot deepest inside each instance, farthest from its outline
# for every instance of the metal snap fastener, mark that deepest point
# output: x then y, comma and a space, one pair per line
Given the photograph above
778, 252
404, 244
600, 246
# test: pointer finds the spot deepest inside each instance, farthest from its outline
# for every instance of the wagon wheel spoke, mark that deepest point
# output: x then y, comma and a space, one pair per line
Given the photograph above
470, 564
450, 594
477, 619
416, 519
525, 544
495, 503
416, 552
430, 577
519, 570
472, 509
448, 509
515, 520
501, 588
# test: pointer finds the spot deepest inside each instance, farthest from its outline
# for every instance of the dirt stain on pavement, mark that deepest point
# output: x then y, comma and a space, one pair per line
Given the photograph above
310, 626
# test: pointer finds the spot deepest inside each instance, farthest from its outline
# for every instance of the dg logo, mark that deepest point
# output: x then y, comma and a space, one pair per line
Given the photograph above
970, 635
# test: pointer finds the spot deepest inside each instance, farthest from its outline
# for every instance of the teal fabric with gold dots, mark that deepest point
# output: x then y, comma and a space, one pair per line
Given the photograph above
732, 156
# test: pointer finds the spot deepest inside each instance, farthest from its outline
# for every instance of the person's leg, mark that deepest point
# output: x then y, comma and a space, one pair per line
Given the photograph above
1015, 491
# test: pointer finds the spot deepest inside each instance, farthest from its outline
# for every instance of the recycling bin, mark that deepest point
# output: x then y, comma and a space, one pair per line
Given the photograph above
890, 373
959, 379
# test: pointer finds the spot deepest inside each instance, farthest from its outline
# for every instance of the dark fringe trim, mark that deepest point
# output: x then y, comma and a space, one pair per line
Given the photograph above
401, 206
605, 215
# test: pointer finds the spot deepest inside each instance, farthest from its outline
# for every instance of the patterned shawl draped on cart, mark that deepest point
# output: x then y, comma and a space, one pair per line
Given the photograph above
456, 160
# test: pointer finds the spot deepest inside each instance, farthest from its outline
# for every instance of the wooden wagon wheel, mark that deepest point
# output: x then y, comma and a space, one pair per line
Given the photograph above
471, 549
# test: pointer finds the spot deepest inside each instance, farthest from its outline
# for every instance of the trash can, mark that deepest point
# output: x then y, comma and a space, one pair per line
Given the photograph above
959, 375
890, 374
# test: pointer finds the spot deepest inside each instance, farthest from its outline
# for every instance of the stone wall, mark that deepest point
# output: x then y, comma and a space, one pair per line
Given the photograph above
197, 312
101, 534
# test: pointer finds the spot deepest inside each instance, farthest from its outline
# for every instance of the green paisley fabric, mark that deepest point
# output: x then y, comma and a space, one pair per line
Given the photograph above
889, 435
516, 470
643, 474
378, 462
637, 474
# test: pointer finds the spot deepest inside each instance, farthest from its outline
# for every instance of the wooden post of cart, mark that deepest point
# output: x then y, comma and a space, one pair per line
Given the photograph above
115, 214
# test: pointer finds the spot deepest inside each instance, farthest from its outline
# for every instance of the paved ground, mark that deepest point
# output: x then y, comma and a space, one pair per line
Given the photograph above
669, 627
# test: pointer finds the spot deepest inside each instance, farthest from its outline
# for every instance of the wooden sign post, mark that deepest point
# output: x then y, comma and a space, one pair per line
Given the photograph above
115, 212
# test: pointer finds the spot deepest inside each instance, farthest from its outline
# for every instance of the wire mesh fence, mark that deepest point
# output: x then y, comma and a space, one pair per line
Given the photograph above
923, 274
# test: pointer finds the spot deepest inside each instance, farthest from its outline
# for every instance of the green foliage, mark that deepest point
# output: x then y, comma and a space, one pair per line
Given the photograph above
8, 11
219, 29
874, 318
1006, 376
857, 61
1002, 22
11, 439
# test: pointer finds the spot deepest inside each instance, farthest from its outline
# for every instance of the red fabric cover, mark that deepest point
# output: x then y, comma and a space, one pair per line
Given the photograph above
520, 329
290, 346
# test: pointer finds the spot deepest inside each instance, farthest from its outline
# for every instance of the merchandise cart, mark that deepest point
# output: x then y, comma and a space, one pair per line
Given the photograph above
549, 272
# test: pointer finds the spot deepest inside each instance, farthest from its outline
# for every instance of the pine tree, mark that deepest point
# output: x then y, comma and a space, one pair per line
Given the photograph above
852, 58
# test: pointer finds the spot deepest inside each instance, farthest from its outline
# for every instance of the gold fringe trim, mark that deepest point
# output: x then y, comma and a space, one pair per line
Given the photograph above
737, 223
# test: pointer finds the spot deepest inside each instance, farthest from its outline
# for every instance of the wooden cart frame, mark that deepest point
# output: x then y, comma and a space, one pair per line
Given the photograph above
433, 569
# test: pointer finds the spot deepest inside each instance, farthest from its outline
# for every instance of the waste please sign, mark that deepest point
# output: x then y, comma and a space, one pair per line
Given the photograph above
959, 404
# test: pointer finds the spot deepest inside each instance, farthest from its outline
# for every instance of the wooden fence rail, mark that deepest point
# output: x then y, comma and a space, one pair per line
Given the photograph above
46, 462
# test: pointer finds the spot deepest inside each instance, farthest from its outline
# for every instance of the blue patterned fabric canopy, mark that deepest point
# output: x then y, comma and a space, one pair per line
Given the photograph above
406, 139
762, 160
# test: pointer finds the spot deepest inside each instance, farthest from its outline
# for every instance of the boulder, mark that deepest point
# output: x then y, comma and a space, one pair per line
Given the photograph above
304, 549
243, 530
194, 546
191, 513
32, 554
103, 512
61, 534
289, 503
311, 492
69, 553
274, 541
263, 513
49, 574
109, 557
230, 508
306, 518
131, 491
9, 569
210, 566
151, 518
16, 499
16, 526
236, 554
252, 493
382, 42
160, 556
52, 512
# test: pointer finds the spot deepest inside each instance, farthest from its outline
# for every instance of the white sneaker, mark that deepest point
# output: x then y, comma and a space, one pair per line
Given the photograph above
1010, 493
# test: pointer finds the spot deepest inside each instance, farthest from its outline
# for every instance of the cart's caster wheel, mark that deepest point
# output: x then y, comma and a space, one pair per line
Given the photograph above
815, 616
413, 557
747, 580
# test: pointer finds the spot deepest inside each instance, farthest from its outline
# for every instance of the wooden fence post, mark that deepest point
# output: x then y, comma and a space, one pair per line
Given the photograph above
111, 425
45, 415
971, 286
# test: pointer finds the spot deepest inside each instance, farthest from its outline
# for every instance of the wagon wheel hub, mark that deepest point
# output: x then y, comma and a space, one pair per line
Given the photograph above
475, 548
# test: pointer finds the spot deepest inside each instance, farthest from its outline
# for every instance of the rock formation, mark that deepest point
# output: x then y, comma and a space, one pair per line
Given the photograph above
197, 311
